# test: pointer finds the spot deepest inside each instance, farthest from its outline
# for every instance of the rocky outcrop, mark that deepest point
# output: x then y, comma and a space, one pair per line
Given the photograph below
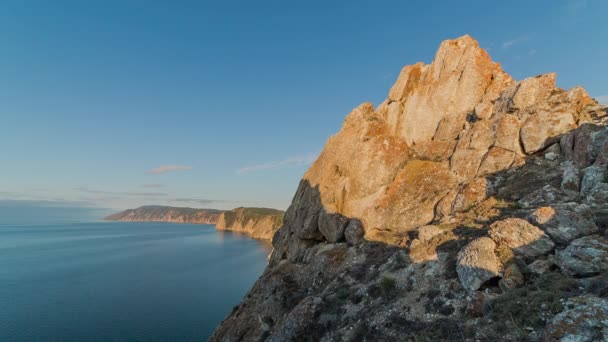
258, 223
453, 210
158, 213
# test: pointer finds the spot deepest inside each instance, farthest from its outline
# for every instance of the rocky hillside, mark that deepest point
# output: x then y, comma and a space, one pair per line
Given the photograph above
259, 223
159, 213
467, 206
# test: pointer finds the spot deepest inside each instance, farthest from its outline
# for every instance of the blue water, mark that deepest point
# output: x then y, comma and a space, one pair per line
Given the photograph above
114, 281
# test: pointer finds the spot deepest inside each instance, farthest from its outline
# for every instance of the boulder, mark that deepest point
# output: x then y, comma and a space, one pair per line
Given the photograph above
332, 225
512, 278
584, 319
472, 193
507, 133
562, 224
354, 232
571, 177
525, 239
477, 263
497, 159
586, 256
593, 176
544, 128
425, 233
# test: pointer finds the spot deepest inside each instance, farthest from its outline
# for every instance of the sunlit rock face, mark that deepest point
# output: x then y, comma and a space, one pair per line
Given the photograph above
443, 125
436, 213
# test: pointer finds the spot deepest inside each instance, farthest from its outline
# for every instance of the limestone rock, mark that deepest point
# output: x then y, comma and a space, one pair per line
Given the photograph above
354, 232
562, 224
472, 193
332, 226
425, 233
544, 128
477, 263
571, 179
586, 256
410, 201
512, 278
584, 319
525, 239
497, 159
507, 133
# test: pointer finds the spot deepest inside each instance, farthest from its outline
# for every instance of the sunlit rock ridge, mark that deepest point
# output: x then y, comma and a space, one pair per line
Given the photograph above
466, 206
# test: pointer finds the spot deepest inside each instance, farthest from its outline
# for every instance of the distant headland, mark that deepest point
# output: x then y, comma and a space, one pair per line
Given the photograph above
259, 223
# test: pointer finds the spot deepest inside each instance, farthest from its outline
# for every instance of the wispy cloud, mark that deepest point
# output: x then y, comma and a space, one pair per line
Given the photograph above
154, 186
602, 99
291, 161
510, 43
168, 168
125, 193
198, 200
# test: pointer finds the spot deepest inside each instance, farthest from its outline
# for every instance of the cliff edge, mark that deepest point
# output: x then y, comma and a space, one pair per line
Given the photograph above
159, 213
259, 223
466, 206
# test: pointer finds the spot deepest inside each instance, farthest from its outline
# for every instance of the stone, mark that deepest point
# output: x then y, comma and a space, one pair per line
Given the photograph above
553, 152
497, 159
571, 177
512, 278
472, 193
477, 263
332, 225
410, 201
562, 224
584, 319
524, 238
310, 228
541, 266
507, 133
544, 129
426, 233
458, 80
586, 256
354, 232
465, 162
593, 176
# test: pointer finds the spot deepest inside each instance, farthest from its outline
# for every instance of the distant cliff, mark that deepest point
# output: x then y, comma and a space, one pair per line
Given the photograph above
157, 213
259, 223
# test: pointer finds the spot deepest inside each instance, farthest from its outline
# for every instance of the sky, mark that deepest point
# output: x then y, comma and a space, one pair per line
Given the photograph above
220, 104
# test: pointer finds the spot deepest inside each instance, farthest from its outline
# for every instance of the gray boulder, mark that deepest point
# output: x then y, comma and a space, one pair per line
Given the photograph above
477, 263
563, 224
524, 238
586, 256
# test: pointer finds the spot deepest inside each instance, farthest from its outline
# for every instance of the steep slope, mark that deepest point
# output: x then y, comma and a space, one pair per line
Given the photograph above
158, 213
259, 223
467, 206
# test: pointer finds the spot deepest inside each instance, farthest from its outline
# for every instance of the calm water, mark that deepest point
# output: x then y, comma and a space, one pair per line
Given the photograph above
121, 281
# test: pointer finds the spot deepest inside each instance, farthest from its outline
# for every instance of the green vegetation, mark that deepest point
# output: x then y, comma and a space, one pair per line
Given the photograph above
527, 306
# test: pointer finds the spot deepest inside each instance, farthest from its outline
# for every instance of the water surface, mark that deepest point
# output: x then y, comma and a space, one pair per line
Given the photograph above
114, 281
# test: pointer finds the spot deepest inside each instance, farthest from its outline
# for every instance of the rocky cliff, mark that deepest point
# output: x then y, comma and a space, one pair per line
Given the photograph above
158, 213
259, 223
466, 206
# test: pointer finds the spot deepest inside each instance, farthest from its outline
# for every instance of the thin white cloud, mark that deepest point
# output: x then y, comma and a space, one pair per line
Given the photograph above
291, 161
510, 43
127, 193
153, 186
168, 168
602, 99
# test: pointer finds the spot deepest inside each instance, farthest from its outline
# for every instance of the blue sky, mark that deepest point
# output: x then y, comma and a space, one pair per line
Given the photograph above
223, 104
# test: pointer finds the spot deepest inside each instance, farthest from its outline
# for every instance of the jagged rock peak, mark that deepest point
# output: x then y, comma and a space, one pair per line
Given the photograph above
460, 206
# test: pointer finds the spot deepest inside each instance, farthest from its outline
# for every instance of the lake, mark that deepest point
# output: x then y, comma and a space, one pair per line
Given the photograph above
115, 281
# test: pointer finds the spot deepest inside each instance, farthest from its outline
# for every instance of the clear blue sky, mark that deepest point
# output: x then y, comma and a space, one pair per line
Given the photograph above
95, 95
